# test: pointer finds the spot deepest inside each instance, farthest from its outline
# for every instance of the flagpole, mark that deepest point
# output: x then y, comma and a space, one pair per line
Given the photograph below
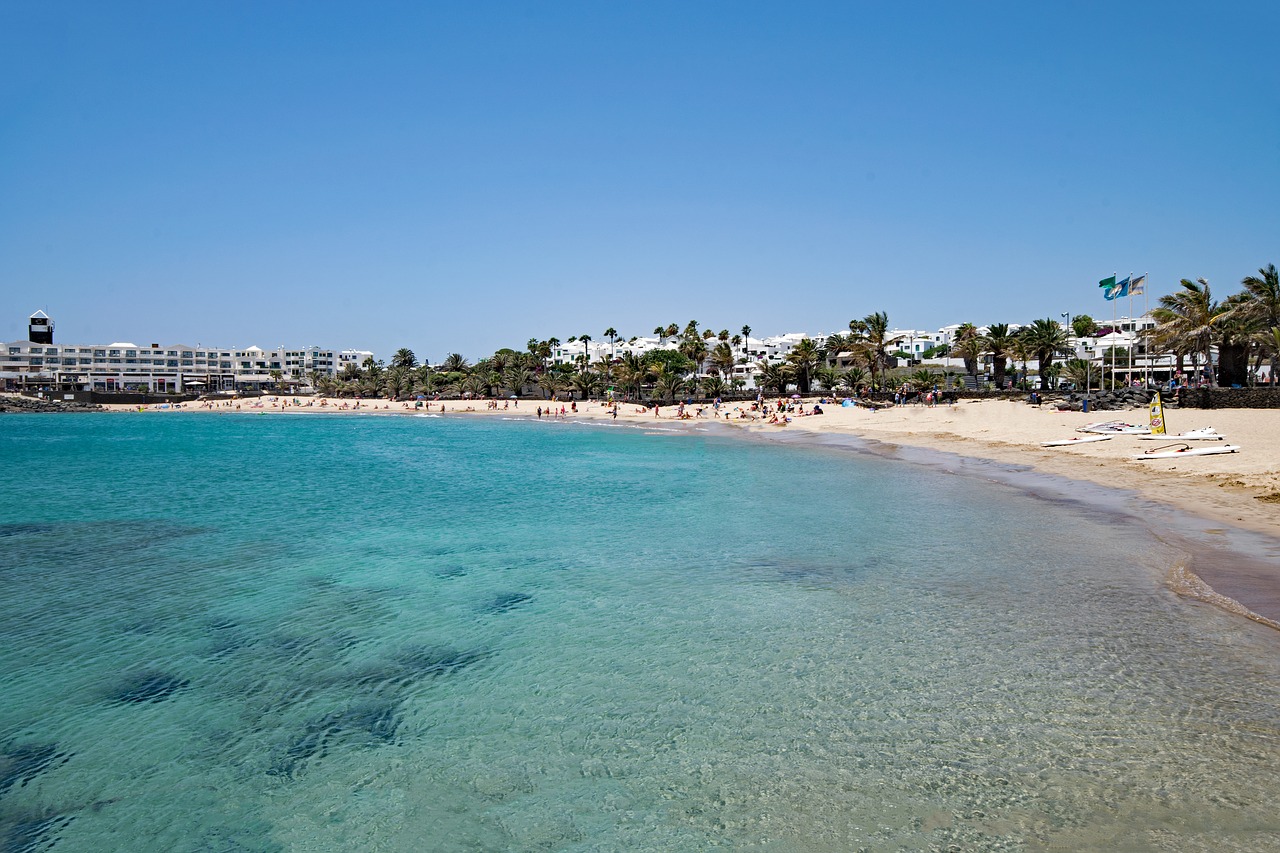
1129, 378
1146, 345
1114, 323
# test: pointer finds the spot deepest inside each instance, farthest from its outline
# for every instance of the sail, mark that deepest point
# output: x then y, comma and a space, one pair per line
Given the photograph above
1157, 415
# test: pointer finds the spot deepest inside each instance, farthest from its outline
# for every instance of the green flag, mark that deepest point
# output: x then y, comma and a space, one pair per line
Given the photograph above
1108, 282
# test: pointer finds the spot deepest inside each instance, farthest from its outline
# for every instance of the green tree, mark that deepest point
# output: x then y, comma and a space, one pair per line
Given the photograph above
803, 359
1046, 339
872, 333
967, 344
454, 363
1185, 319
695, 349
773, 377
634, 372
1083, 326
1259, 309
722, 359
405, 358
668, 382
998, 342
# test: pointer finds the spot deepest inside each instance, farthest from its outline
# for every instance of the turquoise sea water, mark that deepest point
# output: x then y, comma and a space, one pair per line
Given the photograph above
271, 633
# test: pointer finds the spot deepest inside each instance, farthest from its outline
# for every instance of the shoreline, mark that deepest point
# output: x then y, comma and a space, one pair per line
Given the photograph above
1215, 506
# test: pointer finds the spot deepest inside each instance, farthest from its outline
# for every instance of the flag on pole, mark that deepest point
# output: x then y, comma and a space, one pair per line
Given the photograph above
1137, 286
1110, 281
1117, 289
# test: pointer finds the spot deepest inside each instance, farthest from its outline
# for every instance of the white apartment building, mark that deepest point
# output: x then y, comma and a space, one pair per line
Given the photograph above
173, 368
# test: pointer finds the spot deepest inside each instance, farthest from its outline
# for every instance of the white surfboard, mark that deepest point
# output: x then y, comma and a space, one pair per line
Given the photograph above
1206, 434
1084, 439
1188, 451
1115, 428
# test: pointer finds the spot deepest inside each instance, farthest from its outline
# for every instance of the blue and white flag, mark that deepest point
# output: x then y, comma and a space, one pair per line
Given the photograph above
1137, 285
1121, 288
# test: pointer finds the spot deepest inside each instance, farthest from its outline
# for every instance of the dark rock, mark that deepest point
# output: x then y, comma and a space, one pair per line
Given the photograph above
27, 835
21, 763
147, 686
369, 724
506, 601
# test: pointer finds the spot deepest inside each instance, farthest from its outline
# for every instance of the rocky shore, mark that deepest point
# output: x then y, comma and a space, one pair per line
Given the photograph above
19, 403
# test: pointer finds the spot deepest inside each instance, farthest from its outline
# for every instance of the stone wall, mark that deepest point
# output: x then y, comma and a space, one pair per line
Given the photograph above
1229, 398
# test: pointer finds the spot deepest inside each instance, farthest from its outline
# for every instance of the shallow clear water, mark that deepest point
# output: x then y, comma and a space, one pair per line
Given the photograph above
254, 633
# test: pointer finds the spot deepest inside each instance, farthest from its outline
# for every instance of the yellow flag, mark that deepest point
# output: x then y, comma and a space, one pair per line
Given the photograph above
1157, 415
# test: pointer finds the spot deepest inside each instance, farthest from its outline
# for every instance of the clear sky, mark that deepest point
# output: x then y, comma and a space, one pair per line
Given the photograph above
464, 176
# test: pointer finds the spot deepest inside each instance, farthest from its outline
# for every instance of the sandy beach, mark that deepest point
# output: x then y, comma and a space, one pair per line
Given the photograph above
1235, 490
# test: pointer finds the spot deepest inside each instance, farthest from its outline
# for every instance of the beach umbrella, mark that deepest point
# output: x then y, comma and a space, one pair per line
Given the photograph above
795, 396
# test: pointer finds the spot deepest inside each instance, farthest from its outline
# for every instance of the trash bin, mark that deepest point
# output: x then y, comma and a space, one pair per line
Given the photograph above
1085, 405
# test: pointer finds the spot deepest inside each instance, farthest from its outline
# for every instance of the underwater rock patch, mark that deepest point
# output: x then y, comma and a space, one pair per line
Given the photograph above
21, 763
27, 835
364, 724
146, 686
505, 602
410, 665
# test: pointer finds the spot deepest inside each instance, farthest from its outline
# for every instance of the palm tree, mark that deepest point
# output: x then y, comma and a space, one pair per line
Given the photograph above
516, 377
922, 379
1046, 339
1185, 319
746, 339
773, 377
612, 334
713, 386
1078, 372
586, 351
405, 358
967, 345
397, 381
722, 359
998, 342
694, 349
454, 363
671, 331
668, 382
827, 377
1020, 349
1259, 308
872, 331
585, 381
634, 372
803, 359
551, 383
853, 379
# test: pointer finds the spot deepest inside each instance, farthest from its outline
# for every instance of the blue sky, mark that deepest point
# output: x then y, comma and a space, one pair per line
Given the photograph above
465, 176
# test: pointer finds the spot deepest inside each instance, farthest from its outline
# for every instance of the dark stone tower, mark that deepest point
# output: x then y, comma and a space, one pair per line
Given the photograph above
41, 329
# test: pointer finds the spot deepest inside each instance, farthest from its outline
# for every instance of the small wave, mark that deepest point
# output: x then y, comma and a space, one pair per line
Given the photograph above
1188, 584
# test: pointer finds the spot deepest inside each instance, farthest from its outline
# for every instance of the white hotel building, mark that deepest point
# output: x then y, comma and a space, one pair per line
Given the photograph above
174, 368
